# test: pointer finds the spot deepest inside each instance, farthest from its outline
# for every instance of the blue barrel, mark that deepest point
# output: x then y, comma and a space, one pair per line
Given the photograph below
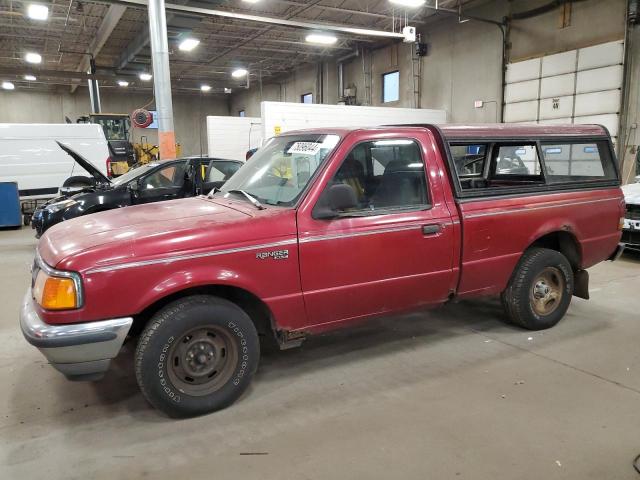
10, 205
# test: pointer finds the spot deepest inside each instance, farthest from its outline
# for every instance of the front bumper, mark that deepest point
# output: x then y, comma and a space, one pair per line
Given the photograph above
82, 351
631, 238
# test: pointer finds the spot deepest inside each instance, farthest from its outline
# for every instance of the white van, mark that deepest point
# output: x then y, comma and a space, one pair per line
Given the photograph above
30, 155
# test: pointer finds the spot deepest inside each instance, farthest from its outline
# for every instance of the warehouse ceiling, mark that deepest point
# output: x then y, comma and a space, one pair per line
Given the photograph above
117, 35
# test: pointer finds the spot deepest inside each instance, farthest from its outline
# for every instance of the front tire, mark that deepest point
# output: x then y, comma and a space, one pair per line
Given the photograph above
196, 355
540, 290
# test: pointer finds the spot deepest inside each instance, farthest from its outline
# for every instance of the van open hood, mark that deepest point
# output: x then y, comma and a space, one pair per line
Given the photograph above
84, 163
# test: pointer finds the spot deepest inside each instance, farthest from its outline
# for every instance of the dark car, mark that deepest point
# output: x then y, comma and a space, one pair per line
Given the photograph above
152, 182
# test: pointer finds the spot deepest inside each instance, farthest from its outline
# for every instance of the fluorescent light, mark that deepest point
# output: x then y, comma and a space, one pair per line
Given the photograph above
205, 88
227, 90
408, 3
145, 77
8, 86
239, 73
321, 38
37, 12
188, 44
123, 83
251, 1
30, 78
32, 57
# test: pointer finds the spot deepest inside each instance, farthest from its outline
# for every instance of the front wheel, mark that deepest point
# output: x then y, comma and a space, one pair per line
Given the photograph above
196, 355
540, 290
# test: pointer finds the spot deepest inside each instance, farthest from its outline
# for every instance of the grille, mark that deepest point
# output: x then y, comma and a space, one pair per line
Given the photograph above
633, 212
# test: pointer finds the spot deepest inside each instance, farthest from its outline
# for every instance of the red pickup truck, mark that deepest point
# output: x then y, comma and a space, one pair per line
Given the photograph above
321, 228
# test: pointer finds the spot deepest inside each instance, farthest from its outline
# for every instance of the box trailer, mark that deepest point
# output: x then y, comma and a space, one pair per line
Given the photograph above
280, 117
232, 137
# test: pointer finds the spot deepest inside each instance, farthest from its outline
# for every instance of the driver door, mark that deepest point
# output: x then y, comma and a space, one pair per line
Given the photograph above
164, 183
394, 251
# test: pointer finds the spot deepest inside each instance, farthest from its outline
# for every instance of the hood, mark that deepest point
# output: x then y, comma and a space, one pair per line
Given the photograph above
84, 163
631, 193
155, 230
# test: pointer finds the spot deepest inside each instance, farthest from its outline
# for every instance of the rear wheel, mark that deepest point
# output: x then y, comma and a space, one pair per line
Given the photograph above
540, 290
196, 355
78, 181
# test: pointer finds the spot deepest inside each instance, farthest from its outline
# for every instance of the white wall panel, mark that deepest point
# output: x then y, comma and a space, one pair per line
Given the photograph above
597, 103
606, 78
558, 86
602, 55
611, 121
557, 121
558, 107
559, 63
521, 111
521, 71
521, 91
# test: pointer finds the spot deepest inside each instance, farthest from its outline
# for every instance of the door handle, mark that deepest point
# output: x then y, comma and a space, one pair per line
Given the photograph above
431, 229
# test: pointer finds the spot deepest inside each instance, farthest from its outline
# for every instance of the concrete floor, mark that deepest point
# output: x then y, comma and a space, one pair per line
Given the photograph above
452, 393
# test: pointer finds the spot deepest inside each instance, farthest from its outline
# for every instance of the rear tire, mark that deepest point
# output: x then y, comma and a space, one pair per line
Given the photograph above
540, 290
196, 355
78, 181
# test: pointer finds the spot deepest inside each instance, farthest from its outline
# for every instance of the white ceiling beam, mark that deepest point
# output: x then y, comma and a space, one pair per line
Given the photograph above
270, 20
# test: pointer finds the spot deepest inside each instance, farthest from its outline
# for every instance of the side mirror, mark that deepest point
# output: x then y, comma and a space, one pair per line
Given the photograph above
134, 187
337, 198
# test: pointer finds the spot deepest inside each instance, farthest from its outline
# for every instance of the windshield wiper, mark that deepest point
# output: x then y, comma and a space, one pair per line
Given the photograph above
249, 197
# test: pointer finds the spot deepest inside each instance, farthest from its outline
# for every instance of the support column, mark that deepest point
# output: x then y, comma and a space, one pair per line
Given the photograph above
162, 78
94, 89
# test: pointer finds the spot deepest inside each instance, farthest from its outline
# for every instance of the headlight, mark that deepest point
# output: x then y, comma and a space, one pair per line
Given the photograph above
56, 207
56, 290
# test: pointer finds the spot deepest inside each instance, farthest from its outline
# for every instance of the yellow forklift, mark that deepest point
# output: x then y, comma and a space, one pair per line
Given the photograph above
124, 153
116, 128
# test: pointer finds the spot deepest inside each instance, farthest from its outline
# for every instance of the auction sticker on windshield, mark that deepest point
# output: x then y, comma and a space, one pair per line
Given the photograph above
305, 148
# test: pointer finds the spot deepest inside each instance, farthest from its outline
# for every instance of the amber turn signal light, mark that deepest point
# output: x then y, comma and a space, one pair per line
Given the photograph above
55, 293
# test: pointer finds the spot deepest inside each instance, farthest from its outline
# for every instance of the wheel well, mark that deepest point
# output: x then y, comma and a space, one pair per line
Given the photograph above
255, 308
563, 242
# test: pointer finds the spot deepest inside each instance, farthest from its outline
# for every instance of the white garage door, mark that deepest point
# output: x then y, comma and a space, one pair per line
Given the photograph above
579, 86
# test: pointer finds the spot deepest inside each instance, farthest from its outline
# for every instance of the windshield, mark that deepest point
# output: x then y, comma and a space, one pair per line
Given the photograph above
133, 173
114, 129
279, 172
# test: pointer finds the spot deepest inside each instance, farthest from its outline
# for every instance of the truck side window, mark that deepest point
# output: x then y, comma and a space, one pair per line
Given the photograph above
576, 162
385, 174
516, 160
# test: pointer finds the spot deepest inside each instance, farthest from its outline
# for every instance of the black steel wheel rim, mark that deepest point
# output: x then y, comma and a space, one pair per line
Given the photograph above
202, 360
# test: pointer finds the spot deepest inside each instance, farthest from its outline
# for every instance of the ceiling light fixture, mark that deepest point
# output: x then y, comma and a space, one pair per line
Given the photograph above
227, 90
145, 77
188, 44
8, 86
408, 3
250, 1
30, 78
37, 12
32, 57
205, 88
123, 83
321, 38
239, 73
